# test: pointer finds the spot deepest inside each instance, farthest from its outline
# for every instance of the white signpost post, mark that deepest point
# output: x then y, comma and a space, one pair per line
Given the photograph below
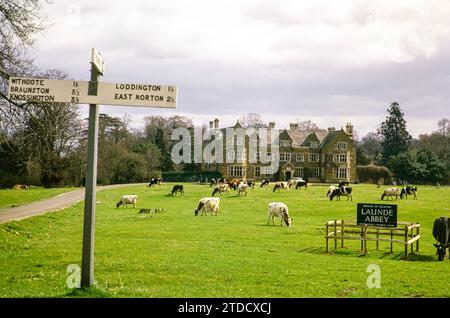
93, 93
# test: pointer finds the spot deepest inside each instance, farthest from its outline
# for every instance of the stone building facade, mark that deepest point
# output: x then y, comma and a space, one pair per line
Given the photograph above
318, 156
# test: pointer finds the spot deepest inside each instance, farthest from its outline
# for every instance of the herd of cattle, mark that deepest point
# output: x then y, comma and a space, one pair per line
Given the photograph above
210, 205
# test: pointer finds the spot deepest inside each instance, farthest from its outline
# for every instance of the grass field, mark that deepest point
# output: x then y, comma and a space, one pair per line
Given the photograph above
234, 254
11, 197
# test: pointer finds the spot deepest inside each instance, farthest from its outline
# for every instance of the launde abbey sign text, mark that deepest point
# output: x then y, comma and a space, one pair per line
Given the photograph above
384, 215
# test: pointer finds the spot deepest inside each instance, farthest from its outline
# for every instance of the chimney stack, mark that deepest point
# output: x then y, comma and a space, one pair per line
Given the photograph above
216, 123
349, 129
271, 124
211, 124
293, 126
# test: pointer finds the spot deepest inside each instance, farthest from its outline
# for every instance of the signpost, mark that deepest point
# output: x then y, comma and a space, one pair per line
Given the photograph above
92, 93
383, 215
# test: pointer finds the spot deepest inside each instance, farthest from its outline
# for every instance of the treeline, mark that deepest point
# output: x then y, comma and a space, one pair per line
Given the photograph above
422, 160
48, 147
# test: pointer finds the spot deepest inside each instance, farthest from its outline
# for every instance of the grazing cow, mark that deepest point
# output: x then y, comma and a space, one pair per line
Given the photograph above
343, 184
297, 183
345, 191
242, 189
281, 185
154, 181
331, 188
178, 188
278, 209
301, 183
441, 232
265, 182
127, 199
390, 192
208, 205
221, 187
213, 182
408, 190
251, 184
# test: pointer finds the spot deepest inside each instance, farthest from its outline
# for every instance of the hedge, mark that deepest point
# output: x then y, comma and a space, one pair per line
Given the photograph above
374, 174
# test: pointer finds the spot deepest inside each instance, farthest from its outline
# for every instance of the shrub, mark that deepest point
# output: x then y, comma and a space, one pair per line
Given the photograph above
373, 174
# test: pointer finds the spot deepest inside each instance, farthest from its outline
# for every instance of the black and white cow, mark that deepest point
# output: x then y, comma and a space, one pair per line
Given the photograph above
265, 182
154, 181
301, 183
408, 190
441, 233
345, 191
281, 185
221, 187
178, 188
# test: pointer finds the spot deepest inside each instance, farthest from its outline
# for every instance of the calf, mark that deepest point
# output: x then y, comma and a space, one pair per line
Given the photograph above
408, 190
154, 181
281, 185
279, 209
390, 192
221, 187
242, 189
127, 199
251, 184
441, 233
345, 191
178, 188
208, 205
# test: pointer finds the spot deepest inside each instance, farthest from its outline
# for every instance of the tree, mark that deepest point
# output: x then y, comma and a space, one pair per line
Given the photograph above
21, 21
252, 120
418, 167
166, 158
395, 139
444, 127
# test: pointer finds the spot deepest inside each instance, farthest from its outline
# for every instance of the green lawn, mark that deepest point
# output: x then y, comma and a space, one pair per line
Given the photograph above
234, 254
11, 197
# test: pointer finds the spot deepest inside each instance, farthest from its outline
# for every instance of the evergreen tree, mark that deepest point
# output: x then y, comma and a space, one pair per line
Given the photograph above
395, 139
166, 158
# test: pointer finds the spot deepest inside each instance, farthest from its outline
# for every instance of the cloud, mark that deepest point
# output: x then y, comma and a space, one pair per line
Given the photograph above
332, 61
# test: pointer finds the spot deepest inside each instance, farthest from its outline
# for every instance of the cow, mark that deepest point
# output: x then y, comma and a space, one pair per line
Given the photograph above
345, 191
390, 192
301, 183
251, 184
154, 181
242, 189
233, 183
265, 182
221, 187
297, 183
408, 190
441, 233
331, 188
280, 185
127, 199
208, 205
279, 209
178, 188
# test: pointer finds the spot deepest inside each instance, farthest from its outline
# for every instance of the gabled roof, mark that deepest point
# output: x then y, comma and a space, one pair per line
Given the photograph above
330, 136
298, 137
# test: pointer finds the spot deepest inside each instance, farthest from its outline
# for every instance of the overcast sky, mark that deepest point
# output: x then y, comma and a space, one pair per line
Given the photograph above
332, 62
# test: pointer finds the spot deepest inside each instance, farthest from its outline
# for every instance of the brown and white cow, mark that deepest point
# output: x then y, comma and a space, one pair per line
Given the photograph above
279, 209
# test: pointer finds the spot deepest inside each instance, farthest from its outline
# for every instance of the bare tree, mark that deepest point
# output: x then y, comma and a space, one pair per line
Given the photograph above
253, 120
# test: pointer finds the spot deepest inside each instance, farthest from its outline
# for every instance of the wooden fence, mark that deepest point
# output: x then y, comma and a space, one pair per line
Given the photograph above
406, 233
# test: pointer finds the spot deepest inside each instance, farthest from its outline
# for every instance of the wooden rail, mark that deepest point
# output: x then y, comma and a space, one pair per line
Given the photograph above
340, 230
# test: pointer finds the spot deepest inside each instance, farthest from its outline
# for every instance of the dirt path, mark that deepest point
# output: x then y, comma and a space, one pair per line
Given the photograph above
53, 204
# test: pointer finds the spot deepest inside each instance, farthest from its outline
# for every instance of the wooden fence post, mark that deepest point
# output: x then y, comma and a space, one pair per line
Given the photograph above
406, 241
335, 234
342, 233
327, 237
